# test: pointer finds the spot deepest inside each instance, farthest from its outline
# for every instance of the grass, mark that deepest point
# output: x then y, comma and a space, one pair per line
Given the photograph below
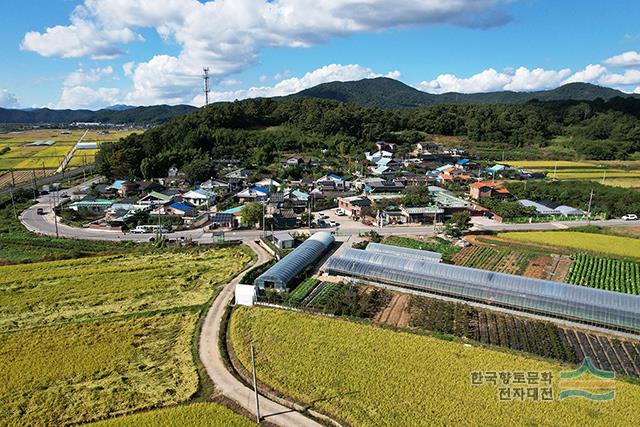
445, 248
368, 376
193, 415
42, 294
623, 247
565, 170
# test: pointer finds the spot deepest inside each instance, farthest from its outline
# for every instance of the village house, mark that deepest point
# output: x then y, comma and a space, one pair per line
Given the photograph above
331, 182
154, 199
199, 197
487, 189
353, 205
253, 194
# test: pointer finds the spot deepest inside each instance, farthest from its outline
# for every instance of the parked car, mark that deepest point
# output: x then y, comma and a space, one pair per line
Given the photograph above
630, 217
321, 215
340, 212
321, 223
40, 211
332, 223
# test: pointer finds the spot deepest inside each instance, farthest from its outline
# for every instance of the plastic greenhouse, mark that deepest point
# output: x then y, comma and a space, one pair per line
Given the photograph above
595, 306
404, 252
284, 271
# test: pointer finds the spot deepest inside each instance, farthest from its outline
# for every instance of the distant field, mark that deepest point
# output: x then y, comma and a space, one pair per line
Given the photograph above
586, 171
369, 376
54, 151
194, 415
39, 162
625, 247
89, 338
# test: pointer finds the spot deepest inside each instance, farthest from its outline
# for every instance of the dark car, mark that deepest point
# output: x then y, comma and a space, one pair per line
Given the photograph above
40, 211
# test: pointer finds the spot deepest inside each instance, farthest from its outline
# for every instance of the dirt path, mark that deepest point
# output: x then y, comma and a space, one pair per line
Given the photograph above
226, 383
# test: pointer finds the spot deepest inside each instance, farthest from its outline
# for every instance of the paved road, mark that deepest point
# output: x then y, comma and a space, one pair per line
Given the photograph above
217, 371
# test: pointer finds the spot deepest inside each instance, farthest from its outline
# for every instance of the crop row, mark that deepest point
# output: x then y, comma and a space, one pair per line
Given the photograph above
605, 273
301, 291
486, 258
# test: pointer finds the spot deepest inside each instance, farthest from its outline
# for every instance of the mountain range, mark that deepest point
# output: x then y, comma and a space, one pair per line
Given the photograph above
376, 92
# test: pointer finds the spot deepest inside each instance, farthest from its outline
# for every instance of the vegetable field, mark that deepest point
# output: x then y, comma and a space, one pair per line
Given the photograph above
445, 248
616, 246
89, 338
503, 261
368, 376
605, 273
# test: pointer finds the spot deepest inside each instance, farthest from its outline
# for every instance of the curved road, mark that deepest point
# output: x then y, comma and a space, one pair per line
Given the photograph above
217, 371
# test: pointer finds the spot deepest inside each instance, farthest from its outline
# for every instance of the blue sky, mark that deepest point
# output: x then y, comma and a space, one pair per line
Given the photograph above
93, 53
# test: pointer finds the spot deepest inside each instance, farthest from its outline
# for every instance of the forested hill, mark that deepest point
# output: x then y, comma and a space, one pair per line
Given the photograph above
389, 93
262, 132
152, 115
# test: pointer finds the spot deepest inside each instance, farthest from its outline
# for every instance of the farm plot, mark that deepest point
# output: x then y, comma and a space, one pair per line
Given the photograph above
39, 162
41, 294
605, 273
583, 171
194, 415
81, 372
518, 333
616, 246
21, 175
92, 338
365, 376
486, 258
301, 291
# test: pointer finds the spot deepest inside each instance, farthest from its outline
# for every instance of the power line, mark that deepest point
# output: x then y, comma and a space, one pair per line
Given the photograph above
205, 76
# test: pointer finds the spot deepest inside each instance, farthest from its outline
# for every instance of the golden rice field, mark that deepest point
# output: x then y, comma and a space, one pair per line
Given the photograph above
82, 372
46, 293
601, 172
56, 150
618, 246
193, 415
369, 376
92, 338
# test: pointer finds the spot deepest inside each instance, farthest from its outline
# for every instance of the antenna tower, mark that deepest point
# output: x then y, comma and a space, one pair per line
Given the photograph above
205, 76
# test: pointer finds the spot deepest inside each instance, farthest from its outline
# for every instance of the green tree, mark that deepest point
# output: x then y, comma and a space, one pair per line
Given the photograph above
417, 196
252, 214
458, 224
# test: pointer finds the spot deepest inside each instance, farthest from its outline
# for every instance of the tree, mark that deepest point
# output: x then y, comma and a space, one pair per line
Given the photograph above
417, 196
458, 224
251, 213
199, 169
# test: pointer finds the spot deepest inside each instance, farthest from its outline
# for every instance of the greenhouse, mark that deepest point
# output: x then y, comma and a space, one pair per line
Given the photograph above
284, 271
588, 305
404, 252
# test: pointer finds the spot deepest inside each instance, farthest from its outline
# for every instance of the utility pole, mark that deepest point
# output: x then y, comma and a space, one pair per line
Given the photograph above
589, 208
205, 77
255, 382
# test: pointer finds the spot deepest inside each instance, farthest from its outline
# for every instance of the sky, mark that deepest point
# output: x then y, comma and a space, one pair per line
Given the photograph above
95, 53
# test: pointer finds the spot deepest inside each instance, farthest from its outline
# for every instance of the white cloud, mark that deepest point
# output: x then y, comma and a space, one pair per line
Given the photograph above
228, 35
328, 73
281, 75
82, 97
127, 68
8, 99
629, 77
592, 73
486, 81
626, 59
82, 77
230, 82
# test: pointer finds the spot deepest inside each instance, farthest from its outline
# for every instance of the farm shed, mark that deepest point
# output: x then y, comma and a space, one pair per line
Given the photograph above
540, 208
283, 240
580, 303
282, 273
420, 254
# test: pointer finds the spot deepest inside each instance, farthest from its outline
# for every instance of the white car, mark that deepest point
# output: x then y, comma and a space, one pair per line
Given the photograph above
340, 212
139, 230
630, 217
332, 223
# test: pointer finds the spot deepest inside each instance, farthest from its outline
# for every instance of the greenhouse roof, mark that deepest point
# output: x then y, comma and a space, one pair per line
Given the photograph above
590, 305
284, 271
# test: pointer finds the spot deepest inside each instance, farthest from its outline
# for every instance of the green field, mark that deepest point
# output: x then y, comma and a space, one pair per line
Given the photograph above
368, 376
605, 273
193, 415
602, 173
91, 338
624, 247
445, 248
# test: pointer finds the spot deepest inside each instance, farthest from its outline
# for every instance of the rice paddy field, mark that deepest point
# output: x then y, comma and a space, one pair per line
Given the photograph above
193, 415
17, 155
93, 338
617, 174
368, 376
616, 246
